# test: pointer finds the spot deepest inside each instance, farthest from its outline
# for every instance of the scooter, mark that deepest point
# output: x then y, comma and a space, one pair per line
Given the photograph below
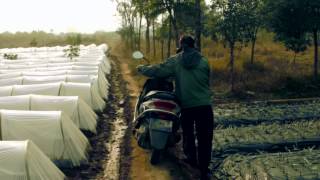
156, 116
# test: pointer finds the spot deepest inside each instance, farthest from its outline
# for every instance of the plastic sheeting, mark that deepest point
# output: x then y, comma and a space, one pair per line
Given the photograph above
102, 85
15, 102
23, 160
40, 89
5, 91
86, 91
52, 131
28, 80
80, 113
11, 81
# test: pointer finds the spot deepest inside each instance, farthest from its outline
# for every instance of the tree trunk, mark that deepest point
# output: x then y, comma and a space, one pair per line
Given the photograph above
162, 49
173, 21
253, 41
154, 39
252, 51
139, 33
169, 40
232, 65
176, 32
294, 58
315, 38
148, 37
198, 25
132, 37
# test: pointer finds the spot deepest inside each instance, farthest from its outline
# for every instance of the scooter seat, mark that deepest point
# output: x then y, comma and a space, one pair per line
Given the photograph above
164, 95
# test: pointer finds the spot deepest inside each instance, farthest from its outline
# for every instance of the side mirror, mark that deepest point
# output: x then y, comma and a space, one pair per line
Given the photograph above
137, 55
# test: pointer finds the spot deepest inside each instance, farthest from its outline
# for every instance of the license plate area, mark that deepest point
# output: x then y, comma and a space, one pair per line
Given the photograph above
161, 125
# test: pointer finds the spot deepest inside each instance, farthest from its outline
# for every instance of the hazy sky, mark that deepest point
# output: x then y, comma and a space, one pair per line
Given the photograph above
85, 16
59, 15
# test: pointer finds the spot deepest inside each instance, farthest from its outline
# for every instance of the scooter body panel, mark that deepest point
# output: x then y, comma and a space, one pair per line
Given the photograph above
159, 131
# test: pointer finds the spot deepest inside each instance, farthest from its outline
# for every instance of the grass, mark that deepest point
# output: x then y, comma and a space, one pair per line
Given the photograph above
273, 75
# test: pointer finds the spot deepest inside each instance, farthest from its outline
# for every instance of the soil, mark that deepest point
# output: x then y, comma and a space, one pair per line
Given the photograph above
107, 146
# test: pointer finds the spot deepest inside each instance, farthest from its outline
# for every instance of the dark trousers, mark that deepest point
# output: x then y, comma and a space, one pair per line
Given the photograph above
198, 122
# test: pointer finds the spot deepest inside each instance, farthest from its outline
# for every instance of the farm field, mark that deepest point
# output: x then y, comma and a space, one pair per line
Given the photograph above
290, 165
87, 106
266, 112
267, 140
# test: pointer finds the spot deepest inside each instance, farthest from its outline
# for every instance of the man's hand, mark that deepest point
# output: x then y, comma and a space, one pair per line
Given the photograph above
140, 68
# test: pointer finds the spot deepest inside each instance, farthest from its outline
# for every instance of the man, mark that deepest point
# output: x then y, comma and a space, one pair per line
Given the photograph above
191, 73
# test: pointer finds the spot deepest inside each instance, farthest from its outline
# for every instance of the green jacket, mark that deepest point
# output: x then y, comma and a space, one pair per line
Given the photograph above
191, 73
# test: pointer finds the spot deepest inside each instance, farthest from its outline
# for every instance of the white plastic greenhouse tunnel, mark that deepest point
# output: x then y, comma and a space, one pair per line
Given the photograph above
86, 91
23, 160
52, 131
46, 99
79, 112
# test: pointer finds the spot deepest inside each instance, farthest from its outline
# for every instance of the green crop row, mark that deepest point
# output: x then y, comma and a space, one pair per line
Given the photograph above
257, 113
266, 137
278, 166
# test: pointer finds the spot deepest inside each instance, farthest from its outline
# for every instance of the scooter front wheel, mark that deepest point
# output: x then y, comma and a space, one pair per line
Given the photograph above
155, 156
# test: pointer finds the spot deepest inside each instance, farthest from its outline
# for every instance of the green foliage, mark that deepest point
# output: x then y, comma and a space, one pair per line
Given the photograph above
293, 21
74, 39
288, 21
210, 21
72, 51
34, 42
10, 56
233, 20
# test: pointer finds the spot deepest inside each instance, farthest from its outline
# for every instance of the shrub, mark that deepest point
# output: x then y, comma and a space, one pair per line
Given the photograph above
253, 67
72, 51
10, 56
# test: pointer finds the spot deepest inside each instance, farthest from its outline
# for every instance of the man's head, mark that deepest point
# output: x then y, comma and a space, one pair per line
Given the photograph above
186, 42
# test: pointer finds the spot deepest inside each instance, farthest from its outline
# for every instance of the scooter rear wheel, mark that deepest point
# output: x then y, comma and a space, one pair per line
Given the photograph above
155, 156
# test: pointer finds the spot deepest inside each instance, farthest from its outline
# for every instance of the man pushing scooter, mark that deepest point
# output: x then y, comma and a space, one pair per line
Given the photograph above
191, 73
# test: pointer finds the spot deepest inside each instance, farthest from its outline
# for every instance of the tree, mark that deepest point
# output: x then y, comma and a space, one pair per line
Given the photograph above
293, 21
198, 23
254, 11
232, 26
128, 13
312, 9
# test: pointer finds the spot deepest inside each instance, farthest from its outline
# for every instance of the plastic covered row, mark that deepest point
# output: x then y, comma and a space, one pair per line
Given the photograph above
23, 160
85, 91
79, 112
52, 131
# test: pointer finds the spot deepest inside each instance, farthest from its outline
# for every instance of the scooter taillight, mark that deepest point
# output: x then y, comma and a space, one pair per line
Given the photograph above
163, 116
164, 105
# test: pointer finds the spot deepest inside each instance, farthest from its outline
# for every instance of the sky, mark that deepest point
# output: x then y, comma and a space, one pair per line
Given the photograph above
85, 16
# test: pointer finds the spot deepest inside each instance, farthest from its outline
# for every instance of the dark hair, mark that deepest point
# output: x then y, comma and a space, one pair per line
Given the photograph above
187, 41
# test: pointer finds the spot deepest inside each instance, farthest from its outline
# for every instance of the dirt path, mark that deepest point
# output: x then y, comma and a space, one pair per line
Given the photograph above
140, 168
114, 153
107, 146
